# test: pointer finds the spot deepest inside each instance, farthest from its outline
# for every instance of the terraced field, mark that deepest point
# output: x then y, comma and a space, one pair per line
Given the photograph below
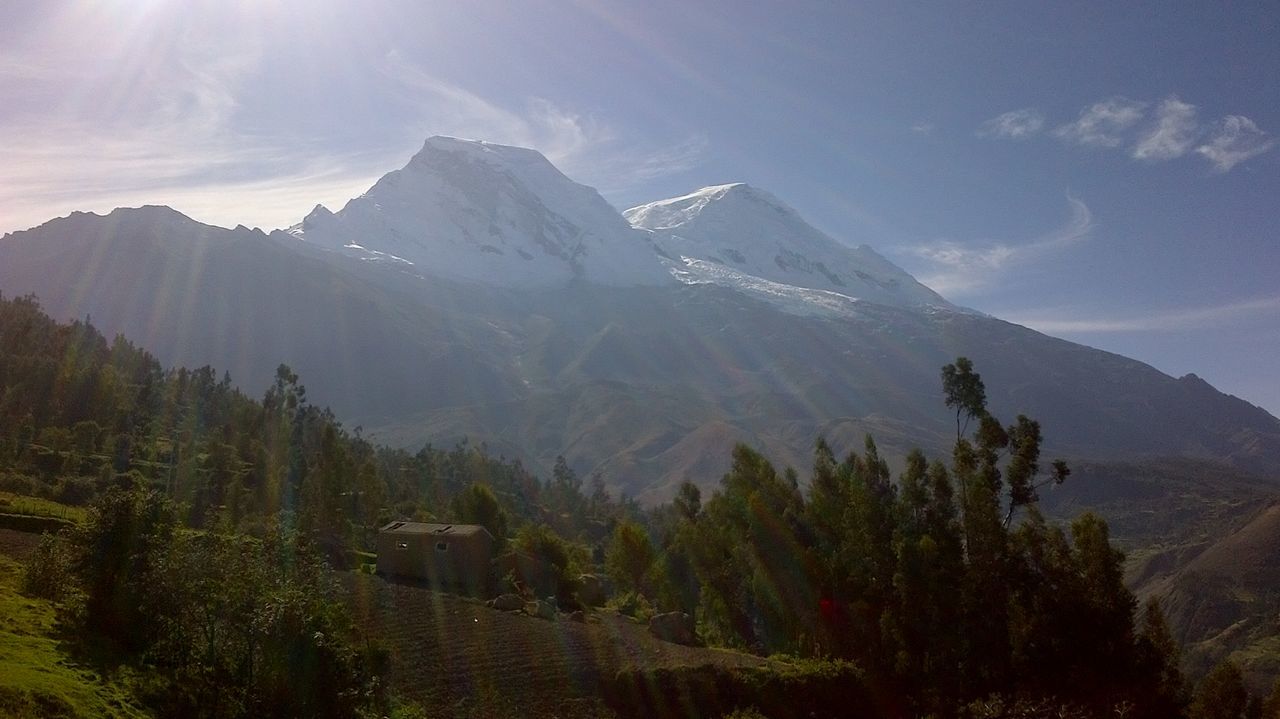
459, 658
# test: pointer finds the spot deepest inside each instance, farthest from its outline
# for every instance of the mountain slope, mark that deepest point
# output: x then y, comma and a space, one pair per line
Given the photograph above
488, 213
726, 230
644, 379
244, 302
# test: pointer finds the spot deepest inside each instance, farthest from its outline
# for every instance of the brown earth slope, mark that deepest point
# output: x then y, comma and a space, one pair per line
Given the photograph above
1225, 602
458, 657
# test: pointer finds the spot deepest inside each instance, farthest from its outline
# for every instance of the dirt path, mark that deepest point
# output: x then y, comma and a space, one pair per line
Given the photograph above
460, 658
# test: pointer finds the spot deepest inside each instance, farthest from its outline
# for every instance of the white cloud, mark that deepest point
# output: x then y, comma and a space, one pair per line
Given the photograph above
960, 269
924, 128
152, 120
1172, 321
1099, 124
1014, 125
1235, 140
1173, 134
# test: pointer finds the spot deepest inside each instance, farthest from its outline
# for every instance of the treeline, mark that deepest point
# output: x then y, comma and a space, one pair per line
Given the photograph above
79, 414
215, 514
216, 625
214, 520
946, 585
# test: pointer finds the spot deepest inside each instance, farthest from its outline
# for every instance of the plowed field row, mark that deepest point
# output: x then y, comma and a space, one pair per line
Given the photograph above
460, 658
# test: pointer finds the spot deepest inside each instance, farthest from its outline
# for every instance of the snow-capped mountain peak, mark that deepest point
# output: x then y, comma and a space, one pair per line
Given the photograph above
751, 232
495, 214
672, 213
483, 212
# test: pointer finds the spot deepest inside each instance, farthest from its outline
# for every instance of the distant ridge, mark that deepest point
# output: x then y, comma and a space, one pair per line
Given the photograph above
478, 292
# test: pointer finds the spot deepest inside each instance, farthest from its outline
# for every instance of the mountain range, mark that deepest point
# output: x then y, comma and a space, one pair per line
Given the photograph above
478, 292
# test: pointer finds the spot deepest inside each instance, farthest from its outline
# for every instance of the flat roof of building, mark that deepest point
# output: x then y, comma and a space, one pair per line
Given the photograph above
432, 528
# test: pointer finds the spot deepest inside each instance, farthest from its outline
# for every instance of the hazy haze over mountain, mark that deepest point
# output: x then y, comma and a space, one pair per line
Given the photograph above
1114, 185
642, 353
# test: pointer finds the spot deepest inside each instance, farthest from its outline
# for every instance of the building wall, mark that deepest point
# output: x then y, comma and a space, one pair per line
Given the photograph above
448, 561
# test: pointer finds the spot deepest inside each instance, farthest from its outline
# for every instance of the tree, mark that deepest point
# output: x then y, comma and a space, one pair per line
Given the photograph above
552, 561
477, 504
123, 536
1221, 694
688, 501
630, 555
964, 391
1161, 659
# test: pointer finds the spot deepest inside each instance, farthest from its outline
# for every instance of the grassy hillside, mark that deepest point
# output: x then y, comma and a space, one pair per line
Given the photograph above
1202, 538
37, 677
1225, 602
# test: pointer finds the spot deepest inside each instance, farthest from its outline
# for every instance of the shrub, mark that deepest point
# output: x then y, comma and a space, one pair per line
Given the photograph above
17, 483
47, 574
632, 604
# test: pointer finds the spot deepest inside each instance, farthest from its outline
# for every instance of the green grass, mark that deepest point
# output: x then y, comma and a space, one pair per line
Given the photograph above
11, 503
37, 678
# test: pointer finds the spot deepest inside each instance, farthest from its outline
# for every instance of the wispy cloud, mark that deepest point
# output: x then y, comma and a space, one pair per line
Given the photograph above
170, 110
582, 145
152, 120
1173, 135
1100, 124
1014, 125
963, 268
924, 128
1235, 140
1173, 132
1170, 321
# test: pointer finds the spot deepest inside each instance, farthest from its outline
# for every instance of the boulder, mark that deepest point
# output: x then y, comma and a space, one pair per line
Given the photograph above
578, 616
591, 590
507, 603
542, 609
674, 627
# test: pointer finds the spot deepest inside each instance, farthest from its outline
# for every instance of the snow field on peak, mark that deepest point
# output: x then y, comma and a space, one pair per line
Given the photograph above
788, 298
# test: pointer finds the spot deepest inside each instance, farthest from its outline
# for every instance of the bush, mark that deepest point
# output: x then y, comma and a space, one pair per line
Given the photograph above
77, 491
17, 483
48, 572
632, 604
544, 563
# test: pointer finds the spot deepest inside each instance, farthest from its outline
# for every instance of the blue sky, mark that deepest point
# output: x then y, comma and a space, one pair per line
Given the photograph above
1105, 172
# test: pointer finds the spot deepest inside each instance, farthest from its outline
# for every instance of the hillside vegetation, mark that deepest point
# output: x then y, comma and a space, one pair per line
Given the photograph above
200, 562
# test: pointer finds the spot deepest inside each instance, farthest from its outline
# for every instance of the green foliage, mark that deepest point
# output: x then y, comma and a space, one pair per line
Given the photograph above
964, 391
115, 551
926, 582
1221, 694
1161, 661
632, 604
80, 414
630, 555
38, 678
237, 626
545, 563
48, 571
477, 504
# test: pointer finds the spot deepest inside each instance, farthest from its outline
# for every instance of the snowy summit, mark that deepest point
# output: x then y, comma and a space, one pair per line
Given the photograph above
742, 230
482, 212
499, 215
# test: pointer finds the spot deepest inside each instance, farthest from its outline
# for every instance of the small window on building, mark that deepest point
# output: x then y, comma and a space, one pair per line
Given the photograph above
402, 545
442, 546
